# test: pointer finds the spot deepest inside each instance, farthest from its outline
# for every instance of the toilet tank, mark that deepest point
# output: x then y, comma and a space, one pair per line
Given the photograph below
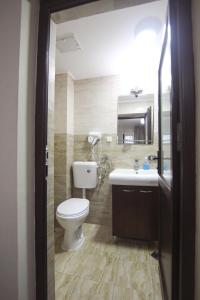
85, 174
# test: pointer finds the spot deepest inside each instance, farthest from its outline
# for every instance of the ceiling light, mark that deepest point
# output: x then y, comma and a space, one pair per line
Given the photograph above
149, 23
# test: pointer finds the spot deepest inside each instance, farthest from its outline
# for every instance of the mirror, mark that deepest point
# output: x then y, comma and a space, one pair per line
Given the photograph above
135, 119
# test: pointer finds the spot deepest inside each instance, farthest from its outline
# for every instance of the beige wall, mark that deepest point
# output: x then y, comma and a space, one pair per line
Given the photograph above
18, 31
96, 110
61, 104
9, 62
96, 105
64, 104
25, 176
64, 137
70, 105
196, 31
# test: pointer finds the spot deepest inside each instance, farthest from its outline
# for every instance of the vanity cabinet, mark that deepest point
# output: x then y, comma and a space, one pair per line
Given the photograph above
135, 212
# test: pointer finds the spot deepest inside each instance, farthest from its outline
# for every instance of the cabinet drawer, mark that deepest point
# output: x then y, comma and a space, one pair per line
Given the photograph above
131, 189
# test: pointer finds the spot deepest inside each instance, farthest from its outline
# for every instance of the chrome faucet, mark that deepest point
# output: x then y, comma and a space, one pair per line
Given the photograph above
136, 165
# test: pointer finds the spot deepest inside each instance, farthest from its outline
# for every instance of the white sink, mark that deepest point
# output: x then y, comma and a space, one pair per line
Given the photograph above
131, 177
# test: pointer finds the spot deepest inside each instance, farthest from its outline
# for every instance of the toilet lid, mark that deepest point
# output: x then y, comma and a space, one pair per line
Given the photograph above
73, 206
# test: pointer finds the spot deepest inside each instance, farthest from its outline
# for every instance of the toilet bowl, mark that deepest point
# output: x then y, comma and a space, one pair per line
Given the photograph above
71, 215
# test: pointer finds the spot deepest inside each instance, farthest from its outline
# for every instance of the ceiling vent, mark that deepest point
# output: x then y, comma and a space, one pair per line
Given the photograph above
68, 43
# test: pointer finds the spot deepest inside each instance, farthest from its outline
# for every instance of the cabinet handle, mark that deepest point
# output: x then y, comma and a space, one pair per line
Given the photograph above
146, 191
129, 191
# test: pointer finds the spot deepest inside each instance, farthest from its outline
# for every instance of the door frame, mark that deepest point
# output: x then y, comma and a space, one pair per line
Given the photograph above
186, 139
182, 15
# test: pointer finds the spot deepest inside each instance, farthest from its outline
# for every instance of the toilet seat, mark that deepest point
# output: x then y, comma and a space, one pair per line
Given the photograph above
72, 208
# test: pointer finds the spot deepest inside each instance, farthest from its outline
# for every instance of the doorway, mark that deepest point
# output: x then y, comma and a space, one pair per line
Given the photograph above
41, 142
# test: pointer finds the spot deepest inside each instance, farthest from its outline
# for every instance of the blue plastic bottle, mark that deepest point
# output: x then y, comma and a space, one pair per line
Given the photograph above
146, 163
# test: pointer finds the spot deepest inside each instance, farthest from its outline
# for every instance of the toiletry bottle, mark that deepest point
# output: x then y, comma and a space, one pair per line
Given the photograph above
146, 163
136, 165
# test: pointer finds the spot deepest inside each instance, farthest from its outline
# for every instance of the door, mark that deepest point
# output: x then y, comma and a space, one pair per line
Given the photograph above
168, 167
177, 155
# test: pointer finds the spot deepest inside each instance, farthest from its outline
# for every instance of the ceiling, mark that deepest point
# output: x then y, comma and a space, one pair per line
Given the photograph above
104, 39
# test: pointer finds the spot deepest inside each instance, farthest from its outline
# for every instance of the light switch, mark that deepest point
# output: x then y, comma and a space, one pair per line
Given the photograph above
109, 139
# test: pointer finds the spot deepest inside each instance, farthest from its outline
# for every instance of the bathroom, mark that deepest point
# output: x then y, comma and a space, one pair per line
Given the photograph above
98, 89
108, 265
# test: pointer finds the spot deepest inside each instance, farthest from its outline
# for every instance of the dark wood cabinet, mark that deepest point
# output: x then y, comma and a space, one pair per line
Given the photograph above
135, 212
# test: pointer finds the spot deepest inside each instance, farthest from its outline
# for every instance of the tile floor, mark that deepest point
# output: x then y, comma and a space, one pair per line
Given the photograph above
105, 269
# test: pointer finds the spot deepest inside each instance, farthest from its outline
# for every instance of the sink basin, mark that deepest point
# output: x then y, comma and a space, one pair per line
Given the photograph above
130, 177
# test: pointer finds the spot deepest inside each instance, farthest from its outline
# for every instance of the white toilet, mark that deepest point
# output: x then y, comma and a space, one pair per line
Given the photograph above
72, 213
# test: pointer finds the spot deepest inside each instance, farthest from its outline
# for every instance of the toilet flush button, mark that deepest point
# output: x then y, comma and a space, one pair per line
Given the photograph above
88, 171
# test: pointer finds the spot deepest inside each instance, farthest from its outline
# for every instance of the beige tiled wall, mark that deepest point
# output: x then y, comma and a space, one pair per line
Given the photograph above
70, 105
64, 104
63, 161
50, 185
96, 105
113, 156
61, 104
96, 110
64, 128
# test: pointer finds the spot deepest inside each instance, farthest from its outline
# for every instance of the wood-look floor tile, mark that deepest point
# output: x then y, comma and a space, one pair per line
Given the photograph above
69, 287
104, 269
